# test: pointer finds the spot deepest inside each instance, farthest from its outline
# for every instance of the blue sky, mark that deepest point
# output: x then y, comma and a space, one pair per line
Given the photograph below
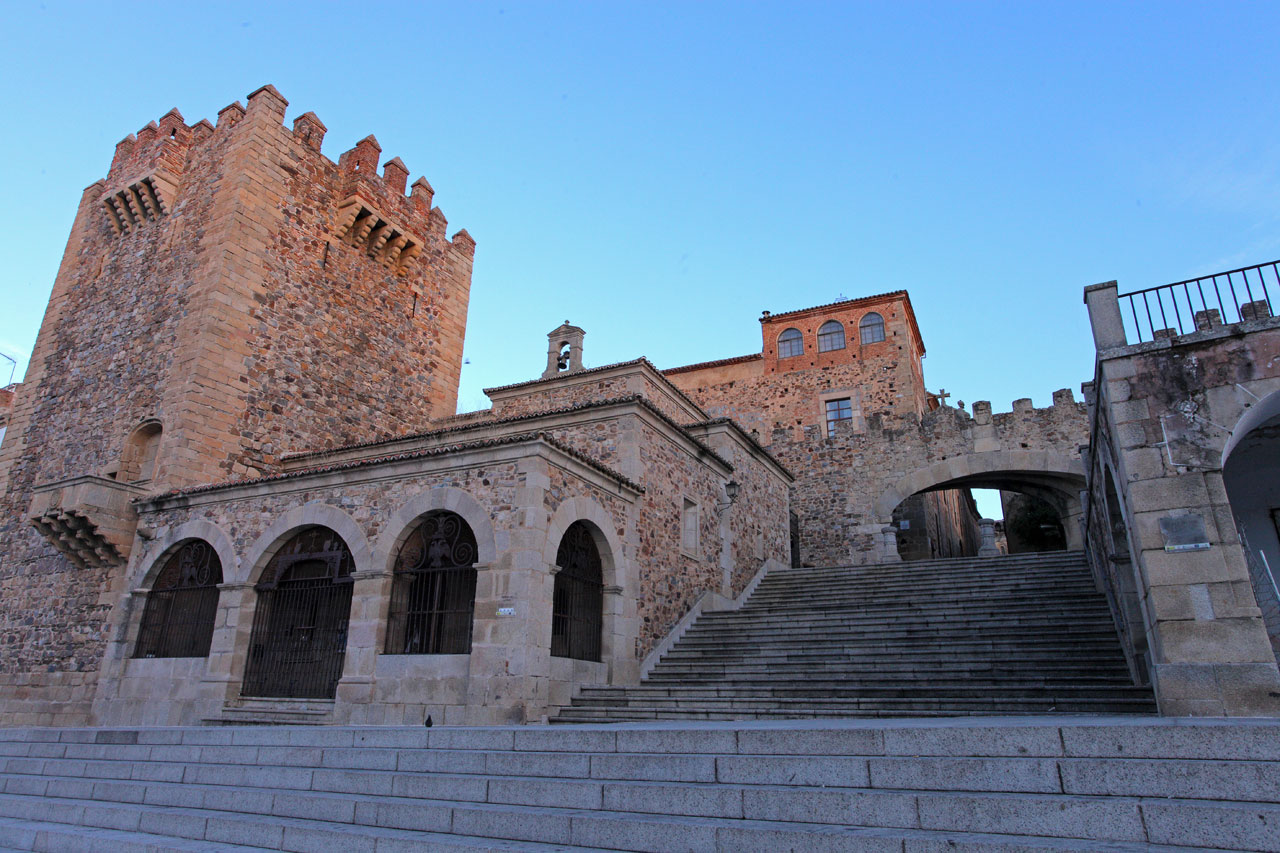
660, 173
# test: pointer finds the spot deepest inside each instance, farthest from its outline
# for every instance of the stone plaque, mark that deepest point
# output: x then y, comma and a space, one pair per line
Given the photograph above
1184, 533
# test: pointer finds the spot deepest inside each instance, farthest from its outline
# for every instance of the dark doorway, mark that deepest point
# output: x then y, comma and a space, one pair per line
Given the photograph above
577, 612
299, 638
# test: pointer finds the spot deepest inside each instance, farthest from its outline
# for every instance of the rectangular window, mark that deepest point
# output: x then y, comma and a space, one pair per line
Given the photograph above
838, 410
689, 528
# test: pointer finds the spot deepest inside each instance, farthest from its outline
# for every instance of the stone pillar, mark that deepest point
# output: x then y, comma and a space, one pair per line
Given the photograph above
511, 641
1104, 315
365, 637
229, 646
988, 547
889, 545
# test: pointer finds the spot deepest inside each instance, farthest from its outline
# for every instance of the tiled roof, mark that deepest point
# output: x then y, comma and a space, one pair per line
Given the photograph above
755, 356
399, 457
481, 424
767, 317
748, 436
590, 370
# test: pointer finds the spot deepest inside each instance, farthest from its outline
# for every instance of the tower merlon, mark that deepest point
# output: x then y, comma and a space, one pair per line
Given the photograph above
201, 130
396, 174
422, 194
363, 157
123, 149
230, 114
309, 130
268, 99
465, 242
438, 223
148, 133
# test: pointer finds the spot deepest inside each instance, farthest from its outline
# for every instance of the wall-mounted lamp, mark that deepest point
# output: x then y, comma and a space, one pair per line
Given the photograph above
731, 490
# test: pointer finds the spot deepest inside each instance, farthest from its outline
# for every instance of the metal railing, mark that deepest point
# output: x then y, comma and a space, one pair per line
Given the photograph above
1248, 293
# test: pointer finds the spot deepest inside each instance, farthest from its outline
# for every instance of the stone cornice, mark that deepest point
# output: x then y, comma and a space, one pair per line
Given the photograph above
402, 465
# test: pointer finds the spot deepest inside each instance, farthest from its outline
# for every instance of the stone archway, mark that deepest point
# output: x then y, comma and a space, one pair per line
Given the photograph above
1251, 477
1054, 478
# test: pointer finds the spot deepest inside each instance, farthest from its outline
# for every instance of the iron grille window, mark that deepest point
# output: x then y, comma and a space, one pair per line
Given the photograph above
177, 621
433, 595
838, 410
790, 344
830, 336
577, 611
299, 637
871, 328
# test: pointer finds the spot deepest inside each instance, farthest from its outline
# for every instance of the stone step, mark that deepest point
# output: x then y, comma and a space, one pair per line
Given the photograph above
602, 830
848, 690
1047, 627
185, 810
925, 607
1023, 560
1031, 786
946, 587
1062, 701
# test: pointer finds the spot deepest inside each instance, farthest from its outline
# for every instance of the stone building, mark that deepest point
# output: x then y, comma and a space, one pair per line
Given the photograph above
230, 296
1184, 485
883, 465
234, 486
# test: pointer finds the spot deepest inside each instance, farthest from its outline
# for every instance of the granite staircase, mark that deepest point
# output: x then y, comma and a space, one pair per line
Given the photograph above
921, 786
1023, 634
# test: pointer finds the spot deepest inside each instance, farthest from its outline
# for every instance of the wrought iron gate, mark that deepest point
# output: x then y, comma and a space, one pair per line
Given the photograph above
177, 621
577, 611
433, 594
299, 638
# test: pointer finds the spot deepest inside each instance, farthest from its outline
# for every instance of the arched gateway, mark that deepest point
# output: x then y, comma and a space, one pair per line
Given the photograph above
299, 638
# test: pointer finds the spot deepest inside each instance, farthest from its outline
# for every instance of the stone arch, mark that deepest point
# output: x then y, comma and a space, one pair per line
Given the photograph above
401, 524
603, 530
617, 631
1251, 479
1252, 418
315, 513
1014, 469
198, 529
141, 452
1054, 477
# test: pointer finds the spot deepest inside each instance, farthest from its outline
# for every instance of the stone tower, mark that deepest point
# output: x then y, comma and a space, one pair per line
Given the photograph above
228, 295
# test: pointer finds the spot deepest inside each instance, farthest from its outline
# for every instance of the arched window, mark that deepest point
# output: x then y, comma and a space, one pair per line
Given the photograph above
577, 610
177, 621
299, 637
138, 463
830, 336
790, 343
871, 329
433, 595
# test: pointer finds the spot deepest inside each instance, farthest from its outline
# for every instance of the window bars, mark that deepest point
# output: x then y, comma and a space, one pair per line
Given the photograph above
433, 594
577, 613
177, 621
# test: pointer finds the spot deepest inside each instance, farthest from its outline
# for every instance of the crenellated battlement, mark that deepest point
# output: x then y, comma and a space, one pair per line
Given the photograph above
146, 173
